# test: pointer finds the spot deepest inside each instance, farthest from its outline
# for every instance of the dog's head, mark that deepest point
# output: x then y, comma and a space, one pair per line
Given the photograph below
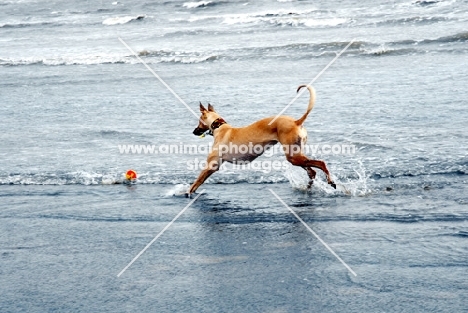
207, 117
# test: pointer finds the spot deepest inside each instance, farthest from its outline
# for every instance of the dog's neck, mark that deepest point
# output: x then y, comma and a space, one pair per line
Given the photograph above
216, 124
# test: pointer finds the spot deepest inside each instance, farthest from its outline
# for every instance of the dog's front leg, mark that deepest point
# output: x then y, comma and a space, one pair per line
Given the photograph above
213, 165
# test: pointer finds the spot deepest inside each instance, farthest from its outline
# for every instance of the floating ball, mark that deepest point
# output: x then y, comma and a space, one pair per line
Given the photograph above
131, 175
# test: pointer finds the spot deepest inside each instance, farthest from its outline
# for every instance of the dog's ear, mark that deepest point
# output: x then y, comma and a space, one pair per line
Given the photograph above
202, 108
211, 108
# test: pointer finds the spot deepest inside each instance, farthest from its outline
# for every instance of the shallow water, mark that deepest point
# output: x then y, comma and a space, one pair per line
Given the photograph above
71, 93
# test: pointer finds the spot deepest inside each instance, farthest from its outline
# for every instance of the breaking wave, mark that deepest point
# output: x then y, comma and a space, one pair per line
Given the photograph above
300, 51
286, 21
122, 19
111, 178
30, 24
280, 17
459, 37
153, 57
414, 20
179, 57
199, 4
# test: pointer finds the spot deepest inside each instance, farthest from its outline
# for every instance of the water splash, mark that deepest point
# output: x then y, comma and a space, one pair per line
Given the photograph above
358, 187
177, 190
345, 184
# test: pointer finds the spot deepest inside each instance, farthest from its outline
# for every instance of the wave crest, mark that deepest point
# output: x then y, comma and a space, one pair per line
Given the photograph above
199, 4
283, 18
179, 57
122, 19
299, 50
153, 57
111, 178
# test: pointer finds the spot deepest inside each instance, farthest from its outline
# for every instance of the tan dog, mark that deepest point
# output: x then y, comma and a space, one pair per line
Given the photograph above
286, 130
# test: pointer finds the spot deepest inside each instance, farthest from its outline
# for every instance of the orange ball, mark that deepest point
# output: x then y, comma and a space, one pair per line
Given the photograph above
131, 175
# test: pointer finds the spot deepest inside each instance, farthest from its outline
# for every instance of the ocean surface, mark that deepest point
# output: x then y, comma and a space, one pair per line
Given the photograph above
72, 94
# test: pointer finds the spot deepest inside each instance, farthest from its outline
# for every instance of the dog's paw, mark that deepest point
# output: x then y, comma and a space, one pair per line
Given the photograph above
332, 184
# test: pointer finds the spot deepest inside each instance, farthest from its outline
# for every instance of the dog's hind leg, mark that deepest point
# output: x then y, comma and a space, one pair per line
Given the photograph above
312, 175
304, 162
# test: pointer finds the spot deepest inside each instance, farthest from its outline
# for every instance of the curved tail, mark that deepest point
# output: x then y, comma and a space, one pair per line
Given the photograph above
311, 103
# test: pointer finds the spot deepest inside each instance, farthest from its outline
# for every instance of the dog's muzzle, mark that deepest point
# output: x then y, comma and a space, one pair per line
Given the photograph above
198, 131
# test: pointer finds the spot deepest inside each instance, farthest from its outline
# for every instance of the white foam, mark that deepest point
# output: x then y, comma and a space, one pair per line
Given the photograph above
193, 5
187, 59
111, 179
179, 189
83, 59
239, 19
122, 19
283, 18
308, 22
93, 59
382, 49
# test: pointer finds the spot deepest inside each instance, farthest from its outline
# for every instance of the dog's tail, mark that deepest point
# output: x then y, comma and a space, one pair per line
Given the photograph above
311, 103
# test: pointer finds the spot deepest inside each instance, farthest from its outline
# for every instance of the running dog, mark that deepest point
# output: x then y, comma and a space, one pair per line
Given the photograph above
287, 131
